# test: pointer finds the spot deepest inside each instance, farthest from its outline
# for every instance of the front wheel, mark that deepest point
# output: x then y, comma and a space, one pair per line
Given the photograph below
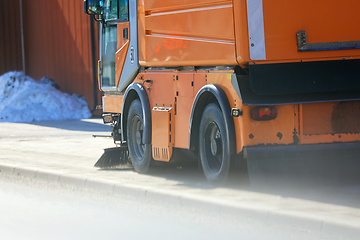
214, 145
140, 153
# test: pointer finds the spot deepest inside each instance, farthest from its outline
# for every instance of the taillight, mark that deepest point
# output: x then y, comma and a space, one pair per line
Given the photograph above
264, 113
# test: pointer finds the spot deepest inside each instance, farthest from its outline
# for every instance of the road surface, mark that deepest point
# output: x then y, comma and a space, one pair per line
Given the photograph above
33, 209
175, 202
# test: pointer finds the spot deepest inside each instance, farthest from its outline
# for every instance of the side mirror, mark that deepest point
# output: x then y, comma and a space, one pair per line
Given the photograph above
94, 7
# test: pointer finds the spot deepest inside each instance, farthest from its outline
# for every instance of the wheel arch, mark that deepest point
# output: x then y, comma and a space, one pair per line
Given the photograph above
136, 91
209, 94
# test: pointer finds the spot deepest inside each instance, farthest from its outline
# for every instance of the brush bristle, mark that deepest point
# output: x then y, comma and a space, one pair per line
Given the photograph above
113, 157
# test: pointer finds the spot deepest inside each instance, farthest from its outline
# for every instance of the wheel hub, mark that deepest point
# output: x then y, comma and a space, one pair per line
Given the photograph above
138, 137
215, 146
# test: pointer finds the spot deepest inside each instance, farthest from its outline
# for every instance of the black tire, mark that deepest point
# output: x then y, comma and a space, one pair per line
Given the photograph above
214, 145
140, 154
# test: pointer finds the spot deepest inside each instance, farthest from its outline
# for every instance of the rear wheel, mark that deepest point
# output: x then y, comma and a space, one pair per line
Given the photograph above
214, 145
140, 153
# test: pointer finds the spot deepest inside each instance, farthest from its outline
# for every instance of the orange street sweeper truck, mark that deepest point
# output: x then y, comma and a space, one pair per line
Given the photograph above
273, 82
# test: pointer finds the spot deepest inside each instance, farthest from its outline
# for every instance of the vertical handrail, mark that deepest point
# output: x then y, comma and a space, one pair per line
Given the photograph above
22, 37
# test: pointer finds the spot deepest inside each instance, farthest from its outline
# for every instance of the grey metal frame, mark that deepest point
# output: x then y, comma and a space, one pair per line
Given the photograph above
131, 65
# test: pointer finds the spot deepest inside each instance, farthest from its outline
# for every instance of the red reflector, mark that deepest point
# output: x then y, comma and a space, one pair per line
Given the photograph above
264, 113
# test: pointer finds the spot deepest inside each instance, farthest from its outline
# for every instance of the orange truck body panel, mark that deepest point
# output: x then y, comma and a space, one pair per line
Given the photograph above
216, 33
324, 21
162, 133
167, 86
186, 33
329, 122
112, 103
181, 33
122, 46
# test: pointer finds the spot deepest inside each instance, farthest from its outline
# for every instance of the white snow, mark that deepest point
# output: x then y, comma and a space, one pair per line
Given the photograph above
22, 99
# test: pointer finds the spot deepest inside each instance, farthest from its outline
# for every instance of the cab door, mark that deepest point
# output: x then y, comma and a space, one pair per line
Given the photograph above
119, 61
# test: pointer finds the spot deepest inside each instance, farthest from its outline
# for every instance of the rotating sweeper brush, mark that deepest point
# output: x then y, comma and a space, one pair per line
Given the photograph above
114, 157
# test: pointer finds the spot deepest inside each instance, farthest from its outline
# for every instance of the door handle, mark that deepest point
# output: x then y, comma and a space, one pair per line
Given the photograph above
125, 33
306, 47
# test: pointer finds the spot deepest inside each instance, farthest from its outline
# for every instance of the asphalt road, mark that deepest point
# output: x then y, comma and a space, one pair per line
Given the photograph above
171, 200
33, 209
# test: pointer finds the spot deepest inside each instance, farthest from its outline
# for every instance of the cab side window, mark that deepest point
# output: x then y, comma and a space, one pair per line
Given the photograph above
124, 10
116, 9
110, 9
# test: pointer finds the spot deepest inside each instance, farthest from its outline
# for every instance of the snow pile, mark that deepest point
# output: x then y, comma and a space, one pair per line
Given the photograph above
24, 100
